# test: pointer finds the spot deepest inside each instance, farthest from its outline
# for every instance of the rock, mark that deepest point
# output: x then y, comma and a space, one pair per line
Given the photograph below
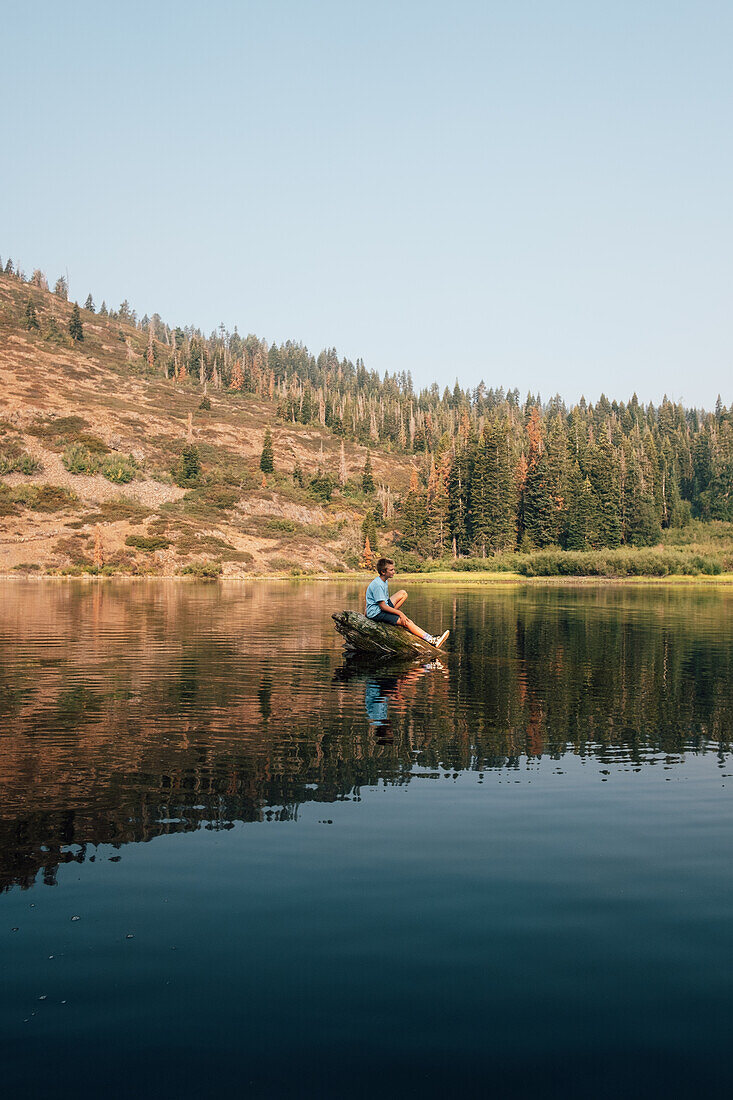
379, 639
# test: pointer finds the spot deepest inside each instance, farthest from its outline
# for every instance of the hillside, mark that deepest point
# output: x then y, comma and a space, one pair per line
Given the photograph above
133, 446
105, 404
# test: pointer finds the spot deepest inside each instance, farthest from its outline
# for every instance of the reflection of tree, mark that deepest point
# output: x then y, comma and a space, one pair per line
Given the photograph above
264, 694
159, 708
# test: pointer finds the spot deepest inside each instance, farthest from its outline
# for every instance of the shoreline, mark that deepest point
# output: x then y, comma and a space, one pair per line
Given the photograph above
443, 579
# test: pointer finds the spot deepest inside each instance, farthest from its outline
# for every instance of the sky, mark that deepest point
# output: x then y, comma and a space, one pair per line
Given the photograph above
532, 193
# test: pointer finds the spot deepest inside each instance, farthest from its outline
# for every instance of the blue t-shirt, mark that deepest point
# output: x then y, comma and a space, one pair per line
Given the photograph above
377, 590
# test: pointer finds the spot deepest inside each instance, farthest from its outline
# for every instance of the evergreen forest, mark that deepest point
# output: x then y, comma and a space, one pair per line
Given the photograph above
492, 471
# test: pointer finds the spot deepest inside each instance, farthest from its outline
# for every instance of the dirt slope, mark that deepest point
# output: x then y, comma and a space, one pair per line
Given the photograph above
101, 394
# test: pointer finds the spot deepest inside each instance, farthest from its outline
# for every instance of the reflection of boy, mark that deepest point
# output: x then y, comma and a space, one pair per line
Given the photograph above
381, 608
377, 704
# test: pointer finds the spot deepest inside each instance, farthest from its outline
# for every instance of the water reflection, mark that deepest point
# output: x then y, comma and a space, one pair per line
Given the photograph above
385, 685
132, 710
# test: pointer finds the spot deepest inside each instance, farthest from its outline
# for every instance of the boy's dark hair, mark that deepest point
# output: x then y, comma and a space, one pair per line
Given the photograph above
382, 565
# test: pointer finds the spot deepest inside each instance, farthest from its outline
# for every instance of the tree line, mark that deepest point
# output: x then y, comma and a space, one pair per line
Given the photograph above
490, 472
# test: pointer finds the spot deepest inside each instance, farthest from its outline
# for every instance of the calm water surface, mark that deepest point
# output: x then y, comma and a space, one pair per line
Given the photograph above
230, 860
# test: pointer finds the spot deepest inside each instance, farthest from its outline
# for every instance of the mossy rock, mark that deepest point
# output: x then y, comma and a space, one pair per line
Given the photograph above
379, 639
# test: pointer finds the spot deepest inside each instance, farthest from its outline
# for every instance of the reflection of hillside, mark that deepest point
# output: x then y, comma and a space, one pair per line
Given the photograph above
132, 710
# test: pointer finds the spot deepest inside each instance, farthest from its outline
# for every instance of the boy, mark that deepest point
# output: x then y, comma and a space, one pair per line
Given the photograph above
382, 609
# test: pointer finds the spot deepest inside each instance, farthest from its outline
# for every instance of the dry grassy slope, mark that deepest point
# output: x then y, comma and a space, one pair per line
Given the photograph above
104, 381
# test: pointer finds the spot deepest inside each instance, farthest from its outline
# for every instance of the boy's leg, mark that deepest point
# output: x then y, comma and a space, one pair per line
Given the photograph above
415, 629
419, 633
399, 598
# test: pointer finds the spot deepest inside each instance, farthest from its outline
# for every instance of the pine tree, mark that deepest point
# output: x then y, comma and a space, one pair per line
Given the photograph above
267, 463
539, 506
103, 309
89, 304
414, 534
478, 498
321, 486
53, 332
458, 484
605, 523
61, 290
580, 506
191, 464
369, 531
438, 506
718, 499
31, 318
540, 510
640, 522
76, 329
367, 480
500, 501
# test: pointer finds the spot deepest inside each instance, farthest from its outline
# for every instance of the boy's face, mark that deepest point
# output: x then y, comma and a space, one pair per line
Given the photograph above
389, 572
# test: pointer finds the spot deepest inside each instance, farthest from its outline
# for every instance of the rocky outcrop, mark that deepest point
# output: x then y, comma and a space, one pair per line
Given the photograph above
379, 639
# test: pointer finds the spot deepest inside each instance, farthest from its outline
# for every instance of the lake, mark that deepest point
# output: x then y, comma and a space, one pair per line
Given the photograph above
232, 860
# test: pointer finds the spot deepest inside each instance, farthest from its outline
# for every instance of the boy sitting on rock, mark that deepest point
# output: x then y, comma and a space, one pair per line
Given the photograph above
382, 609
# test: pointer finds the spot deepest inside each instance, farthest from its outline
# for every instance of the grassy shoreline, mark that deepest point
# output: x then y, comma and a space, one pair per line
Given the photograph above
440, 579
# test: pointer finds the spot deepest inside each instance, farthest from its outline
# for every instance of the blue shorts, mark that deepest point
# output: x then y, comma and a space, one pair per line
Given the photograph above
386, 616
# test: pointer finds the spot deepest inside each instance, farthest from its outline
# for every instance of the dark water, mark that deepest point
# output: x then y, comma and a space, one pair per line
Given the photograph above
232, 863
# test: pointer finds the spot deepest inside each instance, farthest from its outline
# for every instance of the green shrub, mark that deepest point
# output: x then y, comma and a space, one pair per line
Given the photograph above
625, 562
78, 459
14, 460
74, 548
8, 505
119, 470
111, 511
56, 427
149, 543
92, 443
321, 487
285, 525
206, 570
27, 464
406, 562
61, 431
44, 498
210, 499
191, 541
283, 565
500, 563
699, 533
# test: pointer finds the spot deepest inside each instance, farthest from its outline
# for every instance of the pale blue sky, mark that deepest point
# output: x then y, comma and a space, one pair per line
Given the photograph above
533, 193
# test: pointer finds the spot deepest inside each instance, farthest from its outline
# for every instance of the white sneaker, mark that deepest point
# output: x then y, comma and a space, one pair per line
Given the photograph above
437, 642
